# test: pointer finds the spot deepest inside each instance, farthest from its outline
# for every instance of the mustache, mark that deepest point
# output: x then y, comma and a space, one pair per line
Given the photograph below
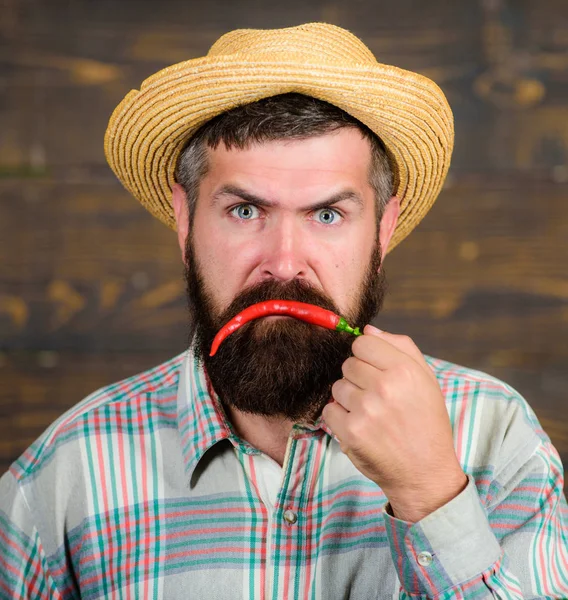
272, 289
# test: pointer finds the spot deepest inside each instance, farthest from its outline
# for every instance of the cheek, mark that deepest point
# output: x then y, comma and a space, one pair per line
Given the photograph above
349, 270
224, 263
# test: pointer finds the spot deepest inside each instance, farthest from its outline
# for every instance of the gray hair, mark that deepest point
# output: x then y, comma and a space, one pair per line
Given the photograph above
286, 116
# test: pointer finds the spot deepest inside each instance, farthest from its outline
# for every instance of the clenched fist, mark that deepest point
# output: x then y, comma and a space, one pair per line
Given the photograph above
390, 418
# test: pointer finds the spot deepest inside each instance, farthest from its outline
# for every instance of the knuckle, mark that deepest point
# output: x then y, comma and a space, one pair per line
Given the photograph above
380, 386
350, 432
336, 388
355, 432
387, 389
328, 412
358, 345
370, 407
408, 343
404, 371
347, 366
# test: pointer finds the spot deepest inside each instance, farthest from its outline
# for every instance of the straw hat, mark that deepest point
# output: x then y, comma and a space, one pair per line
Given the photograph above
408, 111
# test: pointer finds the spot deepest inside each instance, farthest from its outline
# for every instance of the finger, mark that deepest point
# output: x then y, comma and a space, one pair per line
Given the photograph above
375, 350
394, 344
404, 343
345, 394
360, 373
334, 416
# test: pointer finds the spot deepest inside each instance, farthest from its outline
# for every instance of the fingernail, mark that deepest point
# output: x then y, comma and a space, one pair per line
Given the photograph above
373, 329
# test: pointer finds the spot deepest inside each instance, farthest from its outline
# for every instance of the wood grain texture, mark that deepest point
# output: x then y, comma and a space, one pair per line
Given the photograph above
91, 286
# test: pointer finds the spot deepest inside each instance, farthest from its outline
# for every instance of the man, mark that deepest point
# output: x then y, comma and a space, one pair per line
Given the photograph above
297, 462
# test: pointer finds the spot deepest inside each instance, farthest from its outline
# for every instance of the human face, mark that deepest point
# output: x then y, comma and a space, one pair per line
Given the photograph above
239, 243
256, 206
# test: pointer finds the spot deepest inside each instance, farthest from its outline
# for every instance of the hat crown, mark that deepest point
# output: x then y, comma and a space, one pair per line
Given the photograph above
312, 42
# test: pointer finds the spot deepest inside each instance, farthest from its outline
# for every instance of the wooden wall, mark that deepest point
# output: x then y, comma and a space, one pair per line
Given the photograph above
91, 286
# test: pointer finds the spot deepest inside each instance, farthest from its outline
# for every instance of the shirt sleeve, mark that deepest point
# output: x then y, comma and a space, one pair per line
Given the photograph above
23, 567
513, 547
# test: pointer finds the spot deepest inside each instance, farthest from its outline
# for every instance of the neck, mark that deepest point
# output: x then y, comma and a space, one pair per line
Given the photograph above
267, 434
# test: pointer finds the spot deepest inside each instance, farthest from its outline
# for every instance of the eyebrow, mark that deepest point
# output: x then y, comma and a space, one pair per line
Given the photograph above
233, 190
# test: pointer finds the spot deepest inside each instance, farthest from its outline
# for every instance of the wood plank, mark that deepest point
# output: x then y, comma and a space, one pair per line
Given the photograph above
91, 286
488, 263
502, 65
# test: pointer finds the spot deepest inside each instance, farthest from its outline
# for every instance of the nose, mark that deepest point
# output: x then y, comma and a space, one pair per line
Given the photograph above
284, 253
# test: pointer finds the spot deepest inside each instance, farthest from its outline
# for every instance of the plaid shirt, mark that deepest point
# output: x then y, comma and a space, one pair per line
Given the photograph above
143, 491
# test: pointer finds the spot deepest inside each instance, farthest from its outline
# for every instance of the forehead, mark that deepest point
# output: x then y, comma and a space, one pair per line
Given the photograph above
338, 158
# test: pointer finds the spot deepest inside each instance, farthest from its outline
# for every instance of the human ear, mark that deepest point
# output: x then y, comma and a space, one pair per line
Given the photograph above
388, 223
179, 203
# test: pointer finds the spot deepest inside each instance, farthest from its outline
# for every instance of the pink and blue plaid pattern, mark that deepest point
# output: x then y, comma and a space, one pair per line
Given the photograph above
143, 491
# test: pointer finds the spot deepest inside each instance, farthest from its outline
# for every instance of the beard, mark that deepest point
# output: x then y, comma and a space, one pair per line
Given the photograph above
277, 367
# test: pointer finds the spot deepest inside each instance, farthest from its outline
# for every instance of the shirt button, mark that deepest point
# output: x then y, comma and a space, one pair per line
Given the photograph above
424, 559
290, 516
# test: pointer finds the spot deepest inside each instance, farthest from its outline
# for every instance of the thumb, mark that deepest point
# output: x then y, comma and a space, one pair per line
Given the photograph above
400, 342
372, 330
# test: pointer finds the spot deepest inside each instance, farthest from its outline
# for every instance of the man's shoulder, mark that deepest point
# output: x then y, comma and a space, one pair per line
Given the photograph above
449, 373
98, 411
446, 370
478, 391
483, 406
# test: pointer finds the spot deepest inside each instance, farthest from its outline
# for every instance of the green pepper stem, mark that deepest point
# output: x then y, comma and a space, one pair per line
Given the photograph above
343, 325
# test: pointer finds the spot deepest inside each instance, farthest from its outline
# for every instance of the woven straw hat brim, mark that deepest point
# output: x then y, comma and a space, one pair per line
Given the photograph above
409, 112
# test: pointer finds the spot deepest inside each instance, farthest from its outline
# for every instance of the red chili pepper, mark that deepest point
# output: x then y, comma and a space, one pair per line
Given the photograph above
300, 310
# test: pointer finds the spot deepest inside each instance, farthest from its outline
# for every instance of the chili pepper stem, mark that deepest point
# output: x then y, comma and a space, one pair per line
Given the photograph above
343, 325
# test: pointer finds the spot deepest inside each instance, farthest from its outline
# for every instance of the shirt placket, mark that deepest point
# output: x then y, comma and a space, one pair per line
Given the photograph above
291, 541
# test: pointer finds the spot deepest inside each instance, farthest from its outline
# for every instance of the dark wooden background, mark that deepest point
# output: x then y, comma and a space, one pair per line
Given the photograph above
91, 286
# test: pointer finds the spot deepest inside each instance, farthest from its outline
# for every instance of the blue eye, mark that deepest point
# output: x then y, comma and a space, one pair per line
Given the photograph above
329, 213
244, 211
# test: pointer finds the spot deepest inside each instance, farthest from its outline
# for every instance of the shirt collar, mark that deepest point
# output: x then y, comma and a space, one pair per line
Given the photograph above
202, 422
320, 424
201, 419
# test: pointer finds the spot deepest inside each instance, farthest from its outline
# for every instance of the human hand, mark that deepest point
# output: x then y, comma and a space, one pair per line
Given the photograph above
390, 419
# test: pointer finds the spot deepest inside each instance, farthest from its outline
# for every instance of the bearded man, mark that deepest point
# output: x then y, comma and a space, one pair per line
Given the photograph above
297, 462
